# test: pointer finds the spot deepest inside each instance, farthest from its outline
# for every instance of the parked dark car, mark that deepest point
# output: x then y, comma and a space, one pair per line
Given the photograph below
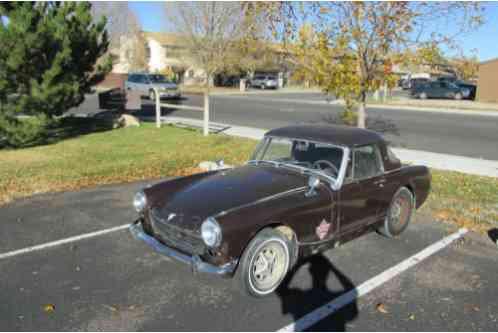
307, 188
412, 83
264, 82
470, 87
439, 89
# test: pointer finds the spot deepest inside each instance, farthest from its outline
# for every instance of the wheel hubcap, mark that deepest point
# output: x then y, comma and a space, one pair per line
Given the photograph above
269, 266
399, 212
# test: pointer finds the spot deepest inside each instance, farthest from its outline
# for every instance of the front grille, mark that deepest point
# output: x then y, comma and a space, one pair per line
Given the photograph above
176, 237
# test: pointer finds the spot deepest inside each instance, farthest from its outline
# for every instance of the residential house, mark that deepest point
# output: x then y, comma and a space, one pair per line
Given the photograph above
487, 82
165, 53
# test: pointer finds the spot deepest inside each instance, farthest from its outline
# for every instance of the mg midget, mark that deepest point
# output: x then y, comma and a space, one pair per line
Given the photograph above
306, 188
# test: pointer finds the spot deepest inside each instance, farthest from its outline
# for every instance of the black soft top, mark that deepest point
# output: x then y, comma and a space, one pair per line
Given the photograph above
339, 135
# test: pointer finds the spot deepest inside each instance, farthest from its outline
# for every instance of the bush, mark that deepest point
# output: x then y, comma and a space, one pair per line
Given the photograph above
25, 132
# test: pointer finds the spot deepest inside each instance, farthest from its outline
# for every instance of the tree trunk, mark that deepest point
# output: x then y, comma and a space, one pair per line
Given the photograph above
362, 110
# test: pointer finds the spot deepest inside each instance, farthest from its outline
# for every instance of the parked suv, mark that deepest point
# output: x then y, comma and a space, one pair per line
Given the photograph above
264, 82
146, 83
439, 89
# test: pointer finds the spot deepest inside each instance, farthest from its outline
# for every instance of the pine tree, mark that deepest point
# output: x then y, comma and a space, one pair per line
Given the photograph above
51, 54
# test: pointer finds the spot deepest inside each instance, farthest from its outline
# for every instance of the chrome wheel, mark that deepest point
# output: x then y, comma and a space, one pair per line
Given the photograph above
399, 214
400, 211
269, 266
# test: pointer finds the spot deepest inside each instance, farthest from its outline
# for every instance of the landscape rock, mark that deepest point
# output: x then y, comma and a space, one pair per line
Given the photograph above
127, 120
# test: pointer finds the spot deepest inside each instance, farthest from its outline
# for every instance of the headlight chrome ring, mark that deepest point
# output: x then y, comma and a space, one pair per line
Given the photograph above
211, 232
139, 201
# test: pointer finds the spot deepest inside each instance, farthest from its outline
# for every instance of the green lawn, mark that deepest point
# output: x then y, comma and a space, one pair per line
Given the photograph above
130, 154
113, 156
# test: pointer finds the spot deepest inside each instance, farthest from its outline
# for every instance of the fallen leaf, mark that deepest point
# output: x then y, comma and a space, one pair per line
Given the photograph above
381, 308
411, 317
112, 308
78, 268
49, 308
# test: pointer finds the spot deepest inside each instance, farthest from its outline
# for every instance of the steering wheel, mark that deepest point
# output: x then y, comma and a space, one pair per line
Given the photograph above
330, 165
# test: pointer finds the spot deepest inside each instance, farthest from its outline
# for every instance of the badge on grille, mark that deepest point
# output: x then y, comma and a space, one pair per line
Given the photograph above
323, 229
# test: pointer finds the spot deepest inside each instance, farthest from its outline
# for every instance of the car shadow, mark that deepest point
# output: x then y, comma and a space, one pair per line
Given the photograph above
299, 302
375, 123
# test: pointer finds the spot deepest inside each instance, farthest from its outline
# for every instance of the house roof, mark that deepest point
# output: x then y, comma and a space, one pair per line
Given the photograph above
488, 61
340, 135
170, 38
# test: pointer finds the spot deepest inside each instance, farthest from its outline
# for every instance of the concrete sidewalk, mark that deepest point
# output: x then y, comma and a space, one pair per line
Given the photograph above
433, 160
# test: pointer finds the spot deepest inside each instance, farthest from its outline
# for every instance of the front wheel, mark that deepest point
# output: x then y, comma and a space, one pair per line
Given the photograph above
152, 95
458, 96
399, 214
265, 262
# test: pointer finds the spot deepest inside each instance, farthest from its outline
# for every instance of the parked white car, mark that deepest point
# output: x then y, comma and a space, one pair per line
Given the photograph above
264, 82
146, 84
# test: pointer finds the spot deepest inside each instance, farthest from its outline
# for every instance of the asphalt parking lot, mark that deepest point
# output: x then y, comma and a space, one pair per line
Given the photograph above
109, 281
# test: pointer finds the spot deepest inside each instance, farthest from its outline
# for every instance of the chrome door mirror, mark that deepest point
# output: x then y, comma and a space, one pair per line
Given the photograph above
313, 183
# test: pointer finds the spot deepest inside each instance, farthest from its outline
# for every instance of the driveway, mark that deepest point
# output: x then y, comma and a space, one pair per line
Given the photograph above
97, 277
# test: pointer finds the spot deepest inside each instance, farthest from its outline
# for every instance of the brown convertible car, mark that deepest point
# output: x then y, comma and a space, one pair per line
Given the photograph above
307, 188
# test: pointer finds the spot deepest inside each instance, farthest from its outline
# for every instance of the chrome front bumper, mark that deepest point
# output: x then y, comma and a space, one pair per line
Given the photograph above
194, 261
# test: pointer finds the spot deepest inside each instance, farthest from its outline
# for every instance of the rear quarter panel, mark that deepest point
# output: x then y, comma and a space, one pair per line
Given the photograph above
416, 178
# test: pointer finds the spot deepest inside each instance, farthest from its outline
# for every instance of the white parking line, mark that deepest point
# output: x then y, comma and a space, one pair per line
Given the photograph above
61, 241
326, 310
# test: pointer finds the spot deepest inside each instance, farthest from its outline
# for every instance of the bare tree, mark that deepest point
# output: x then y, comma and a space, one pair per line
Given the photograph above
208, 31
125, 34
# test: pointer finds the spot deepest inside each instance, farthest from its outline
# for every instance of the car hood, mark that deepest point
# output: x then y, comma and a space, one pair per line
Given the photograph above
187, 202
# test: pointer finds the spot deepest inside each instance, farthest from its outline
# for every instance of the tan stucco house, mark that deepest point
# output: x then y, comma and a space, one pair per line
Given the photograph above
487, 82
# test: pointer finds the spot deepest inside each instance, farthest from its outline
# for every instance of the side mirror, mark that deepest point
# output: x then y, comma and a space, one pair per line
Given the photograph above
313, 183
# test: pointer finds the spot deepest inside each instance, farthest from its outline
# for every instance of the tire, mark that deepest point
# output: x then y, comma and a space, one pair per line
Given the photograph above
152, 95
458, 96
266, 241
397, 221
422, 95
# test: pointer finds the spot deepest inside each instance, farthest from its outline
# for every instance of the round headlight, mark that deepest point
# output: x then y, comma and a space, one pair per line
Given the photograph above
139, 201
211, 232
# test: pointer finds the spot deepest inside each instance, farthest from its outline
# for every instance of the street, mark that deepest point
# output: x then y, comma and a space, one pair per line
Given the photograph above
464, 135
113, 282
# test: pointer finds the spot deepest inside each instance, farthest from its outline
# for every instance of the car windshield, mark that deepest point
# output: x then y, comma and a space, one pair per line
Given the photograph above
156, 78
321, 158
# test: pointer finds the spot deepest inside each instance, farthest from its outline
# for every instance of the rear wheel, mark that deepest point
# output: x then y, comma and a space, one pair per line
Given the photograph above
458, 96
265, 262
399, 214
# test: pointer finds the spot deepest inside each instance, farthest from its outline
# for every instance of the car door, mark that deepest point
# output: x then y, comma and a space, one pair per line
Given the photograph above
130, 81
142, 84
362, 196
